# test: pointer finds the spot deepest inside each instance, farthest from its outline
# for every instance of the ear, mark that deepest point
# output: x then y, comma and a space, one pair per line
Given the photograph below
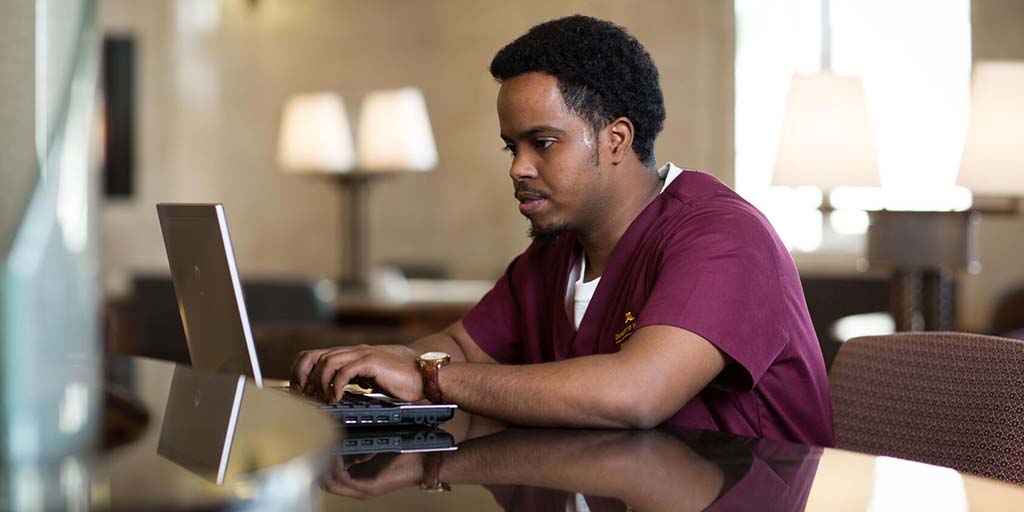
620, 139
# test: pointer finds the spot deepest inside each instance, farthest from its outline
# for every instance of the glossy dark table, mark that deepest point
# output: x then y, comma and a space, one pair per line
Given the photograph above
210, 442
216, 442
664, 469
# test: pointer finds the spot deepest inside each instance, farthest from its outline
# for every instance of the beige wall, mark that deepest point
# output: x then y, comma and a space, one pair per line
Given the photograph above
19, 169
211, 99
997, 33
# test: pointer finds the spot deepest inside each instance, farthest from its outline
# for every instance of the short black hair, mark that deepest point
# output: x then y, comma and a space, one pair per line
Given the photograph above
603, 73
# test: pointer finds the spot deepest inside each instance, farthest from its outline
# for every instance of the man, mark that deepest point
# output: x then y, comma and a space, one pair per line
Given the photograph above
647, 297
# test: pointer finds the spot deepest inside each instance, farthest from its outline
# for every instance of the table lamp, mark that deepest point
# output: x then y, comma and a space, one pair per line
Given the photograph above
394, 135
315, 136
827, 140
394, 132
928, 248
993, 162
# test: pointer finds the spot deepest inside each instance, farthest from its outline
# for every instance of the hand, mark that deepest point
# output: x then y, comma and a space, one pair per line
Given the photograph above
325, 372
366, 476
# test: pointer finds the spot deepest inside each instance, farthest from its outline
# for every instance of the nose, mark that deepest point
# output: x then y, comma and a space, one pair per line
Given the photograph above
522, 169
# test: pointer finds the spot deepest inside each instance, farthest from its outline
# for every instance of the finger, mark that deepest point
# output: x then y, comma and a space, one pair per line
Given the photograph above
301, 367
340, 481
335, 484
338, 466
359, 488
351, 370
293, 374
362, 458
323, 369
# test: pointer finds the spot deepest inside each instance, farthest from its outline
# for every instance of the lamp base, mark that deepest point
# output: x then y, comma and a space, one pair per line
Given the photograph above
923, 240
356, 246
922, 300
924, 250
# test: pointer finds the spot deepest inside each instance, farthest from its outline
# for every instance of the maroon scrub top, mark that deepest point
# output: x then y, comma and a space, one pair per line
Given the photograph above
699, 258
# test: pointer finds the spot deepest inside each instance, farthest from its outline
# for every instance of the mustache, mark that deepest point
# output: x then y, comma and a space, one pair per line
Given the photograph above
525, 193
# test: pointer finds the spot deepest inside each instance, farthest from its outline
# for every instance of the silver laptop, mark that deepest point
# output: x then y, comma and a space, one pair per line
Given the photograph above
217, 331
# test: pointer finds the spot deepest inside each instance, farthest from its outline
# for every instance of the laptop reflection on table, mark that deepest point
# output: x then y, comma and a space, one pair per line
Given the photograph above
201, 420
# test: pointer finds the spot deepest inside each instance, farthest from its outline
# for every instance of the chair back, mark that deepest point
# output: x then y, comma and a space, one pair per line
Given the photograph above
944, 398
284, 302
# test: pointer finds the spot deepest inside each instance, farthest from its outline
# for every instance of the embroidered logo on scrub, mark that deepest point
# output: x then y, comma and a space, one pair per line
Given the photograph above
627, 329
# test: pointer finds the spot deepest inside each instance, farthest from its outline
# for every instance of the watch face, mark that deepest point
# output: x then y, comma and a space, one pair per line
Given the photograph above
433, 356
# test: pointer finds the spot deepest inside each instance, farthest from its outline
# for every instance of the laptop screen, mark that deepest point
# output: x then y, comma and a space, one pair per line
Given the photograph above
209, 291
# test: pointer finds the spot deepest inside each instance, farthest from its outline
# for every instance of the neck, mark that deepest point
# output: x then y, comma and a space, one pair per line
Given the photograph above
630, 194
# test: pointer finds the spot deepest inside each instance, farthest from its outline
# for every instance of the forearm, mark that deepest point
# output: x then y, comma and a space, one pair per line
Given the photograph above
455, 341
440, 342
579, 392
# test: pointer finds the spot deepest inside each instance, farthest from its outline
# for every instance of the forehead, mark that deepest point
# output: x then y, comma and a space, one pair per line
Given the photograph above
529, 100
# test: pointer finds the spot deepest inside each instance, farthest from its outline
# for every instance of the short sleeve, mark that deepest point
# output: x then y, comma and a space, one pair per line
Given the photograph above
493, 323
719, 278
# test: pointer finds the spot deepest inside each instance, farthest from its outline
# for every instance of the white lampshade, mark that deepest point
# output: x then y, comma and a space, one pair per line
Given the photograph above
315, 135
993, 162
394, 132
827, 140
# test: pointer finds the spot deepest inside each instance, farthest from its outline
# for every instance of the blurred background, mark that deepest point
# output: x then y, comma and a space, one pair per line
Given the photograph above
401, 215
213, 77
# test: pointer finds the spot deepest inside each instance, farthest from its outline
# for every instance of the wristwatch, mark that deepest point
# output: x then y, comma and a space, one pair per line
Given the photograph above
431, 480
430, 365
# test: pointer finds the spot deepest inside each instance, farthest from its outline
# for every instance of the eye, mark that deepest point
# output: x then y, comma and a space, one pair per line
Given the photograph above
509, 148
542, 144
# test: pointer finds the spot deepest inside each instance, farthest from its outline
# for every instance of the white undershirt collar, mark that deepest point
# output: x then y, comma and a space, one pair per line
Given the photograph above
579, 292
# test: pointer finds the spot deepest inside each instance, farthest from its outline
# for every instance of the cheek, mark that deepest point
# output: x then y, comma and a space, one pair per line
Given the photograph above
575, 159
568, 172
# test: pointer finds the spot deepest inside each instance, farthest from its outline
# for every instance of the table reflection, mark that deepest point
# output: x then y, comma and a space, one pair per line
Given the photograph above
225, 430
531, 469
199, 421
177, 438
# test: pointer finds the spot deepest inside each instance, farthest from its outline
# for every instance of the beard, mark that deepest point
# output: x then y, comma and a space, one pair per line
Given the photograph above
547, 235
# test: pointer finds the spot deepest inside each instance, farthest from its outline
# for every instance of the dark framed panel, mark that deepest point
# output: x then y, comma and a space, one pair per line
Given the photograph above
118, 84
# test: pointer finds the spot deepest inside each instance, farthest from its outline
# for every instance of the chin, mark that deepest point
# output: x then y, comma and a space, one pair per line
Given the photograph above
546, 234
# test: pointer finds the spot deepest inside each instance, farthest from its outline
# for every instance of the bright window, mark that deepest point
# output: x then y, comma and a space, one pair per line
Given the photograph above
914, 57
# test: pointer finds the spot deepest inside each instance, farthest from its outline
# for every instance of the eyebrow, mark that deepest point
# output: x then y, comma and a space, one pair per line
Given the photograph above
534, 131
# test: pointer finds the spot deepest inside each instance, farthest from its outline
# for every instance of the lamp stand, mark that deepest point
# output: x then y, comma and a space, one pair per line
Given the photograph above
923, 300
356, 247
924, 250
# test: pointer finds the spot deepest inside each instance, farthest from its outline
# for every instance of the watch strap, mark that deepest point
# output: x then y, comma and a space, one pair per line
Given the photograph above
431, 385
432, 473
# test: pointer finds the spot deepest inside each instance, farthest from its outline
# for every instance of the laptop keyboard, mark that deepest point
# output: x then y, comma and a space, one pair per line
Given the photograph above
348, 401
354, 409
354, 401
363, 410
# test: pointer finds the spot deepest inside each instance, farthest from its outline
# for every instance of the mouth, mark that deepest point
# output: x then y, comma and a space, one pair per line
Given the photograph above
530, 206
530, 202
